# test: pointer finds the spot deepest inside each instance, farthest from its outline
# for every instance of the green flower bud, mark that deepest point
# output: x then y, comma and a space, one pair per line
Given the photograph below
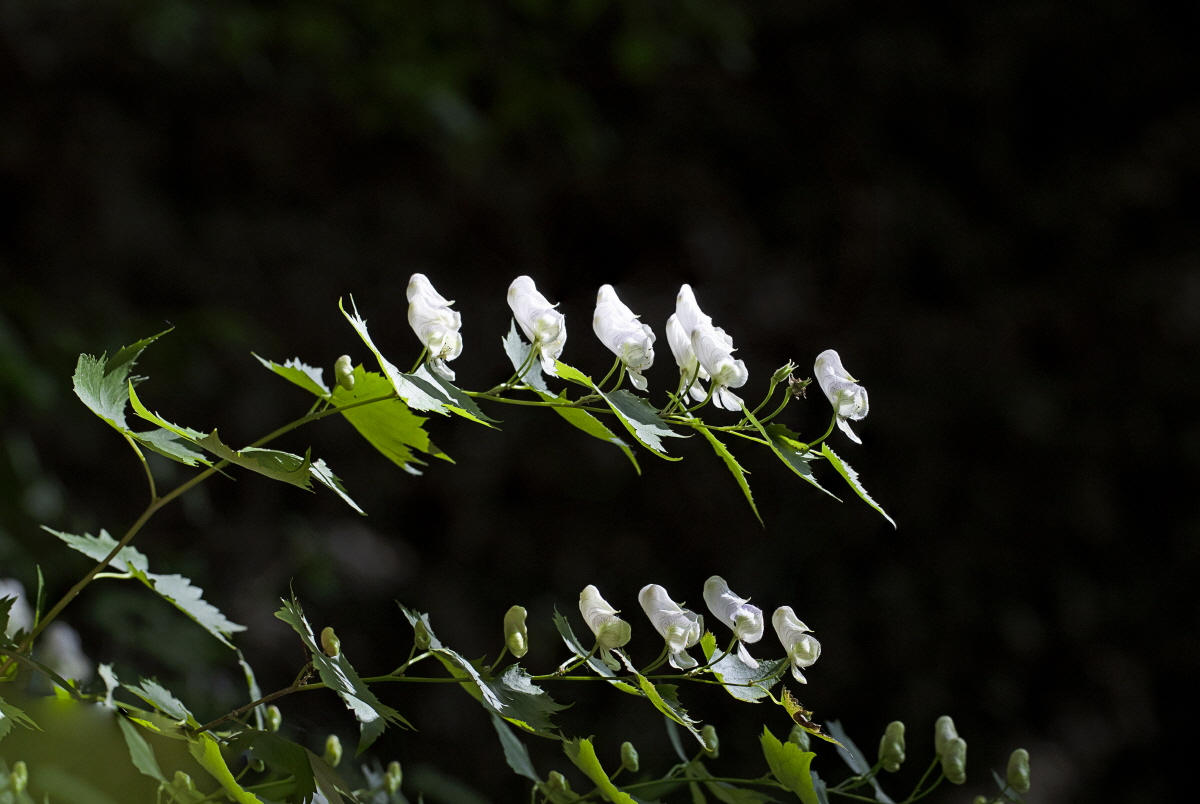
943, 732
330, 643
712, 744
954, 760
393, 777
629, 757
258, 766
980, 800
799, 737
19, 777
1018, 770
421, 636
891, 747
274, 718
516, 636
343, 371
333, 750
183, 783
557, 783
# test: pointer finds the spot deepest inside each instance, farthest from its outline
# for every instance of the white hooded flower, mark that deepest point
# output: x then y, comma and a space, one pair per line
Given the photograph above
610, 630
619, 329
435, 324
745, 620
680, 627
802, 649
689, 367
714, 349
849, 399
545, 327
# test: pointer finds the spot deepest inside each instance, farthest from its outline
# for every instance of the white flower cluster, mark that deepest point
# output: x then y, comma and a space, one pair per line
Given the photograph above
703, 352
681, 628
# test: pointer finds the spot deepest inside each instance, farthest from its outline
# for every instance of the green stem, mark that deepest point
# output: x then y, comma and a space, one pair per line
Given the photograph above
488, 395
932, 787
142, 458
654, 665
420, 360
518, 374
787, 397
495, 664
832, 424
924, 776
615, 366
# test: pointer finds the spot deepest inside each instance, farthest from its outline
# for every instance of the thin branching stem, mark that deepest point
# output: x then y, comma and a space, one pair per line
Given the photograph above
146, 466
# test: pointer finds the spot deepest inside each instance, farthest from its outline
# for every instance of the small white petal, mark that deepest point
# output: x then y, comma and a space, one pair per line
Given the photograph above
844, 426
745, 656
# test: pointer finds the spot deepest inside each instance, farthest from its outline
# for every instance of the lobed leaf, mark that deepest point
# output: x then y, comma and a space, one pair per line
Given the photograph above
271, 463
161, 699
416, 395
732, 671
635, 413
327, 478
170, 445
280, 755
205, 749
581, 752
9, 715
739, 474
787, 449
456, 400
389, 426
103, 384
851, 477
307, 377
790, 766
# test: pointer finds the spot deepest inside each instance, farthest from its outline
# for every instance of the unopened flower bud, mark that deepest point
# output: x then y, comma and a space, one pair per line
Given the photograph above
274, 718
891, 747
629, 757
393, 777
712, 743
557, 783
258, 766
943, 733
980, 800
421, 636
330, 643
19, 777
333, 751
954, 760
1018, 770
184, 783
516, 636
343, 371
799, 737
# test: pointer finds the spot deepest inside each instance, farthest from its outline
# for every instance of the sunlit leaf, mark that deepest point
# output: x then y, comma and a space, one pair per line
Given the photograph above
326, 477
140, 751
416, 394
638, 417
389, 425
161, 699
790, 766
103, 384
252, 688
732, 672
582, 753
207, 751
589, 424
170, 445
852, 478
98, 547
802, 718
456, 400
307, 377
518, 352
787, 450
739, 474
270, 463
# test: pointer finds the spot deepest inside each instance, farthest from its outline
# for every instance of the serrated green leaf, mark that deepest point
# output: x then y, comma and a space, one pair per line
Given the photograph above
280, 755
327, 478
9, 715
513, 695
307, 377
518, 352
457, 400
170, 445
337, 673
515, 752
572, 374
252, 688
851, 477
787, 446
175, 589
581, 752
417, 395
576, 647
389, 425
589, 424
790, 766
140, 751
641, 420
102, 384
141, 410
666, 700
270, 463
732, 672
739, 474
207, 751
328, 782
161, 699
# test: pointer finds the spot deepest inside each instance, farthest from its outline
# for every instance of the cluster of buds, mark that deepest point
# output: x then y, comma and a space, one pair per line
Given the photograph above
682, 628
703, 352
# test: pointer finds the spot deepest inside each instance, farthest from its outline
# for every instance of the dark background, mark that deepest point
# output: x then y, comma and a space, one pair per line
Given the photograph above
988, 210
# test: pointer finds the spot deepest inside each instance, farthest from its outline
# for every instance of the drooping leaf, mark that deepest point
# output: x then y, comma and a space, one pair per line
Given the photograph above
103, 385
851, 477
854, 757
307, 377
327, 478
170, 445
337, 673
641, 420
457, 400
207, 751
140, 751
518, 352
790, 766
252, 688
9, 715
417, 395
739, 474
186, 433
515, 752
589, 424
388, 425
581, 752
820, 787
176, 589
735, 675
328, 782
796, 455
161, 699
802, 718
270, 463
524, 703
280, 755
666, 700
